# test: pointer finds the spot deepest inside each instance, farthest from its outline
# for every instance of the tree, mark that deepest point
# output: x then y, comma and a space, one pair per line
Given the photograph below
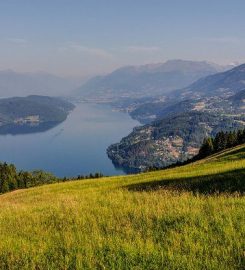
231, 139
220, 141
4, 186
207, 148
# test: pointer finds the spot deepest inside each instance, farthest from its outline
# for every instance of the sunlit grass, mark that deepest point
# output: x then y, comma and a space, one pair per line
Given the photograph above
129, 222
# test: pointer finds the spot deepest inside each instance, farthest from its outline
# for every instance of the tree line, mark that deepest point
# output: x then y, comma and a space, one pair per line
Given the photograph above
221, 141
11, 179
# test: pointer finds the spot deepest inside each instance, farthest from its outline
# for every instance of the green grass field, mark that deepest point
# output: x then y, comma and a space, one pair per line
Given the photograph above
190, 217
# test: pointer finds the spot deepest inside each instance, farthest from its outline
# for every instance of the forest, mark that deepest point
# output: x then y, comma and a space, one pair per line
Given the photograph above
12, 179
221, 141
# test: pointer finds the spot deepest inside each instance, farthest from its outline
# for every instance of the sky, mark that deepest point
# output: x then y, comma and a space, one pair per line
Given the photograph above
87, 37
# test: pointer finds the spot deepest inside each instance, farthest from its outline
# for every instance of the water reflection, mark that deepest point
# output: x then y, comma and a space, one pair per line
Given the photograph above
17, 129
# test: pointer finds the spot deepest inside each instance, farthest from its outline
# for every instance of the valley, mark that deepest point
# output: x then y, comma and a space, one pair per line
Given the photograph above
135, 82
122, 135
69, 148
175, 125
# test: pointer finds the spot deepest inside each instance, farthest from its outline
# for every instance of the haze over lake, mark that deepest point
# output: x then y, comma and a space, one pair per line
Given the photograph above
76, 146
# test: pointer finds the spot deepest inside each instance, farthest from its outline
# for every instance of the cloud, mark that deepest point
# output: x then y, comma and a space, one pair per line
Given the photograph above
18, 41
96, 52
142, 49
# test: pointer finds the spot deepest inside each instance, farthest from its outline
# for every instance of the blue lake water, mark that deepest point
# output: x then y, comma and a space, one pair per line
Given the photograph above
76, 146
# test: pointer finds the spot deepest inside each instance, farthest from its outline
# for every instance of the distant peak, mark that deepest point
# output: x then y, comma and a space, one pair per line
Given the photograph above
240, 67
7, 71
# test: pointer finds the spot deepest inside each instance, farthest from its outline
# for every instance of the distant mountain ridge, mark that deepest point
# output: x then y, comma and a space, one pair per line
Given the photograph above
40, 83
223, 83
146, 80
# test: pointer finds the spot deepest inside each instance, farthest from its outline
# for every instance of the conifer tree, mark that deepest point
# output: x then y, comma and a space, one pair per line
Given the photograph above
207, 147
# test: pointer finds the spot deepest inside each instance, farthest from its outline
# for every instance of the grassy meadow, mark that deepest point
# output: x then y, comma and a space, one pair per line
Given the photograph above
189, 217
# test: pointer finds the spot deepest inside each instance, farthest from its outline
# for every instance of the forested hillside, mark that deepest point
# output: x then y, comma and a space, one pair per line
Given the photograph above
32, 111
171, 139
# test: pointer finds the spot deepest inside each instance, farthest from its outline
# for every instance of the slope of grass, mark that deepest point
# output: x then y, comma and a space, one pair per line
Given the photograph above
170, 219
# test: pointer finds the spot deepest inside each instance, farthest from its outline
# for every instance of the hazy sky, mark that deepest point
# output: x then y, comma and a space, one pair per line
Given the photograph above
81, 37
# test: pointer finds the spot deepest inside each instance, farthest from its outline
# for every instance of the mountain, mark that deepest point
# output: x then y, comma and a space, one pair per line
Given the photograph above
22, 84
209, 93
224, 83
189, 217
31, 113
147, 80
150, 111
171, 139
177, 124
239, 100
175, 128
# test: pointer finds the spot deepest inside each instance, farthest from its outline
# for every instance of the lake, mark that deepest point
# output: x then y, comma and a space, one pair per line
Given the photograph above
76, 146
